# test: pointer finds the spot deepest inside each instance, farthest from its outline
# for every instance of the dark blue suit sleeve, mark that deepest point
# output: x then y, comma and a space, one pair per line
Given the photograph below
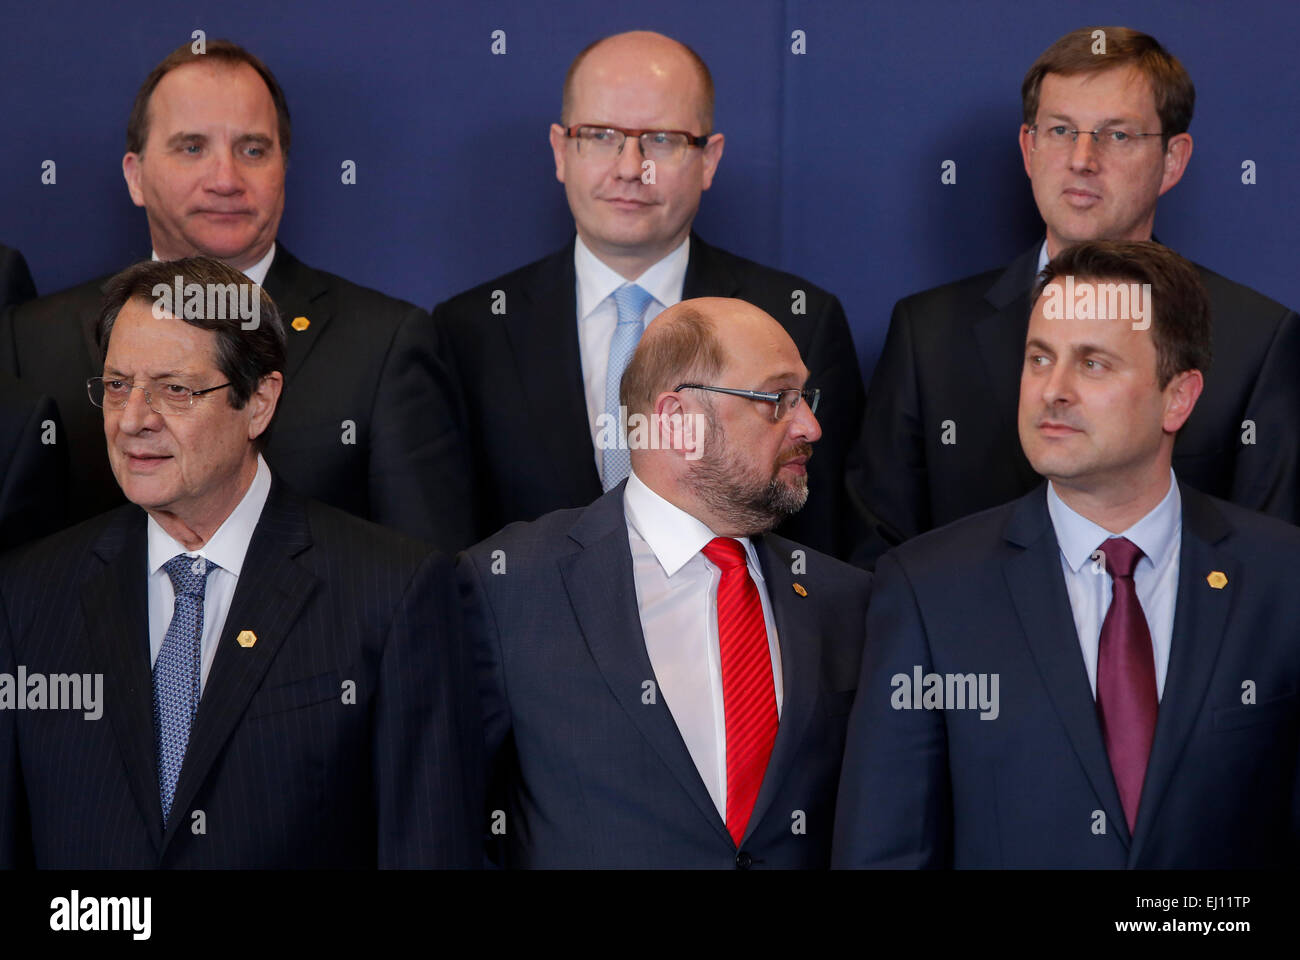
1267, 475
427, 740
419, 475
894, 807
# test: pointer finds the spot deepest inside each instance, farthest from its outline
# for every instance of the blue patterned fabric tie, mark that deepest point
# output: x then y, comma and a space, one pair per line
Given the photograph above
176, 672
631, 301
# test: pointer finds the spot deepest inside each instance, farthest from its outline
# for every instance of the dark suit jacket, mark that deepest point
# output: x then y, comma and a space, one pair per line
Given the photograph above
33, 472
518, 377
286, 772
923, 788
16, 283
364, 358
956, 353
588, 773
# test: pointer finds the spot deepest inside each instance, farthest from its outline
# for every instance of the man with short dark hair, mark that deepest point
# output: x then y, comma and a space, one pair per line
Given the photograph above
664, 683
1102, 673
365, 424
264, 681
537, 383
1106, 113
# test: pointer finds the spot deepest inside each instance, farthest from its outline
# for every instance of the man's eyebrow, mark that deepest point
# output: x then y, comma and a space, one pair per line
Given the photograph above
1109, 122
1035, 344
164, 375
185, 137
786, 377
1093, 349
254, 138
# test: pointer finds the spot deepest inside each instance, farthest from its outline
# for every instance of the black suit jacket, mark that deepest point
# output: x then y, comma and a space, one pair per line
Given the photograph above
592, 774
364, 369
1032, 787
33, 465
955, 353
286, 772
16, 283
518, 379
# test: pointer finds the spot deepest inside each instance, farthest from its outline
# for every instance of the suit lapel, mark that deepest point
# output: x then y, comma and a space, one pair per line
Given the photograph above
1200, 614
800, 649
706, 274
602, 591
543, 339
298, 291
114, 603
1033, 574
1000, 336
271, 592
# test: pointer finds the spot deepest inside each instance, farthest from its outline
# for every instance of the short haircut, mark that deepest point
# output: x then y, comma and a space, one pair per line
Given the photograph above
701, 69
1072, 55
217, 51
1181, 326
244, 357
683, 349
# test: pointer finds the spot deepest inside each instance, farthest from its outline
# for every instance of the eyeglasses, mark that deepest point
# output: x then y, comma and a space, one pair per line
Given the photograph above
1059, 138
605, 143
173, 398
784, 401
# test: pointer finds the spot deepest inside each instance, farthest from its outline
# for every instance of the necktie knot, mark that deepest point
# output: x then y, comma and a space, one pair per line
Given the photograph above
1122, 556
725, 552
189, 575
631, 301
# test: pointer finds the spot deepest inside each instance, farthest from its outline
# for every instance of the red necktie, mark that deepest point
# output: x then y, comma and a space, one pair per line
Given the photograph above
748, 692
1126, 678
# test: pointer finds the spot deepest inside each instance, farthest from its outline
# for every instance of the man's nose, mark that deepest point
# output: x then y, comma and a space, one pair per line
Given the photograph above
804, 423
137, 415
224, 175
1084, 152
631, 160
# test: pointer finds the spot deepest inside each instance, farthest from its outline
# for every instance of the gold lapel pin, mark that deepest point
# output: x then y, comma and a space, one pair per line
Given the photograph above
300, 324
798, 588
1217, 579
246, 638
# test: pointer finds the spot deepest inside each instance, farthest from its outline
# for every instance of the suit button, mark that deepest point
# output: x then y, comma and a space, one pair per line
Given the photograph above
744, 860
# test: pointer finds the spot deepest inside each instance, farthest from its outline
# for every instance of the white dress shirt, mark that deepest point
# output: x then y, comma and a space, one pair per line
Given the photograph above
257, 272
226, 548
598, 316
677, 596
1159, 535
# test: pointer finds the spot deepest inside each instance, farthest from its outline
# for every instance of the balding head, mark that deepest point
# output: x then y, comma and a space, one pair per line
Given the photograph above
725, 458
648, 59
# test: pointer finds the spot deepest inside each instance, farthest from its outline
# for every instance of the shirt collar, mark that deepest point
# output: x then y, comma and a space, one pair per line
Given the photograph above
671, 533
597, 280
229, 544
1043, 258
257, 272
1155, 534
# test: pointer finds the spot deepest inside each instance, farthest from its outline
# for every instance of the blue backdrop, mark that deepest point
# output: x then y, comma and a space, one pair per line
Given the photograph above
833, 159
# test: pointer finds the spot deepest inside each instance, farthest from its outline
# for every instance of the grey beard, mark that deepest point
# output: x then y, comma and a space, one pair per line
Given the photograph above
752, 506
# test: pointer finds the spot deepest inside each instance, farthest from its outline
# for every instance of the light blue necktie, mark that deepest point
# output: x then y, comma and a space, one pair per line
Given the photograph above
176, 672
631, 301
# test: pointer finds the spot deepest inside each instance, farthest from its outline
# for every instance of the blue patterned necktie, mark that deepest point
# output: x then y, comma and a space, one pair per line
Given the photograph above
631, 301
176, 672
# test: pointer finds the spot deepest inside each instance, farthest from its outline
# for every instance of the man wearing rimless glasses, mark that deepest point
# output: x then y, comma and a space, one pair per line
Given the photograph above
537, 354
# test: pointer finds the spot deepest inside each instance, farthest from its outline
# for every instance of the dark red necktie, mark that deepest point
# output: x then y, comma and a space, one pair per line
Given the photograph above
748, 692
1126, 678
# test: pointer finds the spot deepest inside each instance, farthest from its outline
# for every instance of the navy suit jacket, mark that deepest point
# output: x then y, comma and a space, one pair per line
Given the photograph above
286, 771
955, 354
587, 771
33, 471
1033, 786
362, 359
518, 381
15, 279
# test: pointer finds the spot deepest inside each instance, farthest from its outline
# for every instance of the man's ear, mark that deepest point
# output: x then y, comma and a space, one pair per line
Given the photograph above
131, 173
1177, 154
1026, 147
712, 156
263, 402
1181, 394
559, 147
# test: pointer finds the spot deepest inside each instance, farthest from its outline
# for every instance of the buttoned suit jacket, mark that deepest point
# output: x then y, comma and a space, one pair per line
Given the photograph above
939, 437
518, 380
345, 735
586, 760
363, 423
1032, 787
